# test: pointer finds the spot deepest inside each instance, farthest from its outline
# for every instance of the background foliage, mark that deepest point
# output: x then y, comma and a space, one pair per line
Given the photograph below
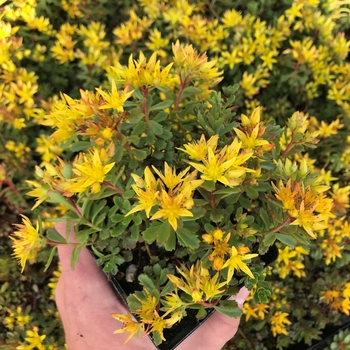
286, 55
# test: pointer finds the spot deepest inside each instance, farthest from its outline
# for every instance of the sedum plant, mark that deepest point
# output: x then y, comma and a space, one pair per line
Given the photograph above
178, 198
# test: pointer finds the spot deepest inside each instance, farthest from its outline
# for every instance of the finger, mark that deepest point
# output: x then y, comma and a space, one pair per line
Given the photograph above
85, 270
214, 333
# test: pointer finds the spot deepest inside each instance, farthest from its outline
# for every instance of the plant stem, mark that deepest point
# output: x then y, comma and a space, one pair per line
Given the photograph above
212, 200
67, 244
76, 208
148, 250
245, 338
118, 190
11, 185
284, 223
145, 107
291, 145
178, 97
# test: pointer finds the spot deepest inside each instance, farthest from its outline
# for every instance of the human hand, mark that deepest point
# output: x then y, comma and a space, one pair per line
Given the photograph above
85, 302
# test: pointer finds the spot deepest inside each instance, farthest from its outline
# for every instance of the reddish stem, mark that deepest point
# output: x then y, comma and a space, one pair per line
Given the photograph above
10, 184
182, 87
118, 190
212, 200
285, 223
145, 106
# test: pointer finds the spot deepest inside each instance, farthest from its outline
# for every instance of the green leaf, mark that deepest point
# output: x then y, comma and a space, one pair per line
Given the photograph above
268, 165
156, 338
269, 239
75, 256
139, 154
135, 232
244, 202
150, 234
187, 238
287, 240
147, 282
197, 212
119, 230
80, 145
104, 234
235, 313
229, 304
251, 192
265, 218
139, 128
58, 198
190, 91
133, 303
52, 254
263, 187
156, 128
163, 232
170, 244
161, 116
208, 185
161, 105
201, 312
54, 236
97, 209
96, 252
86, 207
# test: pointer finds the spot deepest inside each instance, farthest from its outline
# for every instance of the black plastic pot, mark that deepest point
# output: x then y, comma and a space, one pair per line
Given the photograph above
180, 331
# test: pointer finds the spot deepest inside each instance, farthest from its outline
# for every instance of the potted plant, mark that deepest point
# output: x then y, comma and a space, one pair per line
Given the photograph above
179, 199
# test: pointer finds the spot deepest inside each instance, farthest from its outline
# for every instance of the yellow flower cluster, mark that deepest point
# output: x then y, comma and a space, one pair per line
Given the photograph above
223, 165
221, 248
17, 318
171, 192
279, 322
307, 206
250, 133
33, 340
290, 260
334, 239
338, 298
26, 241
197, 283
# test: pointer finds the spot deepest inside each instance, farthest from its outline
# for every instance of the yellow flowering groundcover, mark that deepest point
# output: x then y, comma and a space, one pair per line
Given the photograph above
121, 111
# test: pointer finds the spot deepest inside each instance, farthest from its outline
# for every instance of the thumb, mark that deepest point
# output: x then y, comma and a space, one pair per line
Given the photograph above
217, 330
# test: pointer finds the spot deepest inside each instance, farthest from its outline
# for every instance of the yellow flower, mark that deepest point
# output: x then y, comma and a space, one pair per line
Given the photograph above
158, 324
308, 221
286, 194
236, 262
172, 208
170, 179
130, 326
197, 281
214, 168
211, 287
115, 99
26, 241
172, 302
40, 191
221, 247
145, 74
279, 321
198, 150
147, 198
34, 340
251, 141
90, 173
